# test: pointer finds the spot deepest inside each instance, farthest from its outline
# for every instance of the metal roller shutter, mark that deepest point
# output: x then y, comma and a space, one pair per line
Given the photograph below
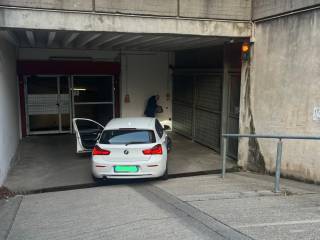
182, 119
182, 104
208, 99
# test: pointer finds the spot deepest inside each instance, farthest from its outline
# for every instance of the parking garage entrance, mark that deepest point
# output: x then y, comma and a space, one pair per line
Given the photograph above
199, 91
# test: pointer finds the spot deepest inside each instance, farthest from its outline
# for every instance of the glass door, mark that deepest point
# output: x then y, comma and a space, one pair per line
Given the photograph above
47, 104
93, 98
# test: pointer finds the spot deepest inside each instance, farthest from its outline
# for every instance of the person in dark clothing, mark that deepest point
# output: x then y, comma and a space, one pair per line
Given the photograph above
152, 106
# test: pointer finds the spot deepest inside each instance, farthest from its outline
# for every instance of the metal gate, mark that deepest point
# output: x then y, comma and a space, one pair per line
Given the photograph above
207, 119
52, 101
197, 107
182, 106
48, 104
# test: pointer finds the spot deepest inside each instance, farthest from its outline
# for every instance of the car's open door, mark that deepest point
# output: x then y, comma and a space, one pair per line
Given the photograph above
87, 133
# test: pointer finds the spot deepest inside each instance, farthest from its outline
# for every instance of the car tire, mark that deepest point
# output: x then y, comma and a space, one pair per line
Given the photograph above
98, 180
165, 176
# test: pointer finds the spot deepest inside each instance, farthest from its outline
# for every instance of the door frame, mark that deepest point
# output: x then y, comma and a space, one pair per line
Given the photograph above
71, 102
65, 67
57, 76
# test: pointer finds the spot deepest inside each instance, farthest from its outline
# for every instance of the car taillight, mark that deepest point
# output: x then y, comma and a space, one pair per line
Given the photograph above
156, 150
99, 151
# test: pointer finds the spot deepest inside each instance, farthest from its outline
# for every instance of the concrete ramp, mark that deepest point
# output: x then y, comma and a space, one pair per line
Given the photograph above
51, 162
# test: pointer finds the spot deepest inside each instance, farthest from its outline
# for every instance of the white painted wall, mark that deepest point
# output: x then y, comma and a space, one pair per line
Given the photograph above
144, 75
9, 107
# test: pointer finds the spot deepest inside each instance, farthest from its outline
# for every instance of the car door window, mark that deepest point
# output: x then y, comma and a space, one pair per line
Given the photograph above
88, 131
159, 129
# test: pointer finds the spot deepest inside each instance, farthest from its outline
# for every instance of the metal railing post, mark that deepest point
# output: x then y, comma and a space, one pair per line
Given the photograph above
278, 167
224, 156
264, 136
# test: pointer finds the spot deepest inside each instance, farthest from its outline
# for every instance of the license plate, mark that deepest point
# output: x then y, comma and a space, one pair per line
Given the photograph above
126, 169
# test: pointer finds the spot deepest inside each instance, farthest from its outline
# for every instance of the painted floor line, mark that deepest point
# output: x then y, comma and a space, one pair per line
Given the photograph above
279, 223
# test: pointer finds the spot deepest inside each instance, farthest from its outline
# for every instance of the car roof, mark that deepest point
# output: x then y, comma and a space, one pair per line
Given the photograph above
137, 122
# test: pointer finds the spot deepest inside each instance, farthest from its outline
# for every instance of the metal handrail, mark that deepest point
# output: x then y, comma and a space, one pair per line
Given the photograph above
265, 136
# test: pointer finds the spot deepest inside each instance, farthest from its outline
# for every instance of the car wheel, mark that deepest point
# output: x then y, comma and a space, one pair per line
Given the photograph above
98, 180
165, 176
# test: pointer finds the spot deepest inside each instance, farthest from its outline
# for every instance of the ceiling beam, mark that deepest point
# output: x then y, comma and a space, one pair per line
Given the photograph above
203, 44
152, 45
104, 40
82, 41
31, 38
51, 37
188, 43
127, 40
69, 38
144, 41
177, 43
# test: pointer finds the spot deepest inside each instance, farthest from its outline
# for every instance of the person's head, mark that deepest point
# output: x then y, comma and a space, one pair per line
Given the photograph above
157, 97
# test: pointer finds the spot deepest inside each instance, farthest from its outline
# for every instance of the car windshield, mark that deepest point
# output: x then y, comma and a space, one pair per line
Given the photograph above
125, 136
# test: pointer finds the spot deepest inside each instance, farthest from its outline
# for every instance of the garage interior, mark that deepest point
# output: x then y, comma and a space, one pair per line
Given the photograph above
99, 76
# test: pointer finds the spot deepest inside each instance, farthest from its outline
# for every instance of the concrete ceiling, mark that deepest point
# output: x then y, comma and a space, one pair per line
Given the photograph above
108, 41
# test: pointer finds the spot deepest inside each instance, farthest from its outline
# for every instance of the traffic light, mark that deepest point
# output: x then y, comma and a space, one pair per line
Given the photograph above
245, 51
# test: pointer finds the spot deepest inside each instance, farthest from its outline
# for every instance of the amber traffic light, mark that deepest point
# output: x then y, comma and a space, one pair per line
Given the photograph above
245, 51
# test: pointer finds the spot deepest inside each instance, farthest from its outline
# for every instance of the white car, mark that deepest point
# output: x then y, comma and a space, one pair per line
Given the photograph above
124, 148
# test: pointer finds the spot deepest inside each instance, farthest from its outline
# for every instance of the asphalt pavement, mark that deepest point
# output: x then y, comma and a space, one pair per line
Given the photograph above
242, 206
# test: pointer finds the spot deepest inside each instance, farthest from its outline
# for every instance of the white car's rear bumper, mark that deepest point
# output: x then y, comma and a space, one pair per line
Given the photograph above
147, 169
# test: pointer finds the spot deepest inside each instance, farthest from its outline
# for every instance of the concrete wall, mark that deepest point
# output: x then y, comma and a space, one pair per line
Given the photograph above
266, 8
280, 94
144, 75
145, 7
78, 5
78, 21
9, 113
219, 9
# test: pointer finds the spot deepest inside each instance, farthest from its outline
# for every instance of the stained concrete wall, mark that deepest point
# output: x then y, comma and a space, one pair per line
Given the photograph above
145, 7
77, 5
77, 21
9, 107
218, 9
280, 94
144, 75
266, 8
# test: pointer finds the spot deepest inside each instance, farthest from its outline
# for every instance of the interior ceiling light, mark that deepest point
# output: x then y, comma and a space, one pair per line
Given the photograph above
79, 89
